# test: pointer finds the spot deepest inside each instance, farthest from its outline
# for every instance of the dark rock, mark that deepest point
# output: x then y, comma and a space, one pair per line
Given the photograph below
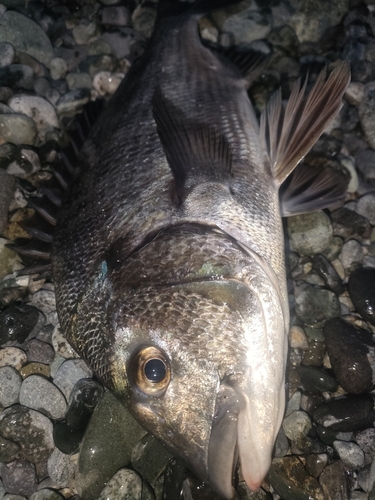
330, 277
314, 355
315, 305
315, 464
17, 323
8, 450
334, 482
19, 477
316, 379
17, 76
39, 351
66, 438
365, 163
351, 413
347, 224
7, 188
85, 396
366, 440
361, 287
350, 351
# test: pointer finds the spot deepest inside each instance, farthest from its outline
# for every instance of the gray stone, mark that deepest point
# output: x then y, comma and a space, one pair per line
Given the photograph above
7, 189
124, 485
61, 468
72, 101
350, 454
366, 440
118, 15
46, 494
106, 82
38, 351
84, 33
316, 305
58, 68
12, 356
351, 255
122, 40
41, 86
78, 81
69, 373
367, 113
37, 108
19, 477
7, 53
334, 481
150, 458
366, 207
297, 425
365, 162
144, 20
16, 76
18, 129
310, 233
10, 384
41, 395
25, 35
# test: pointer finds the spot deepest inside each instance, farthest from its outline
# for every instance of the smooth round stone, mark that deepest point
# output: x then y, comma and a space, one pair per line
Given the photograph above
315, 305
333, 481
315, 464
106, 82
18, 129
124, 485
310, 233
366, 207
78, 81
17, 323
58, 68
41, 86
297, 338
348, 224
362, 292
39, 352
83, 33
107, 446
365, 161
26, 35
37, 108
10, 384
367, 114
118, 15
83, 399
44, 300
16, 76
67, 439
95, 64
351, 255
72, 101
68, 375
330, 277
61, 345
61, 468
25, 163
290, 480
350, 454
351, 351
41, 395
294, 403
122, 41
7, 53
8, 451
35, 369
315, 379
351, 413
19, 477
297, 425
46, 494
281, 445
366, 441
31, 430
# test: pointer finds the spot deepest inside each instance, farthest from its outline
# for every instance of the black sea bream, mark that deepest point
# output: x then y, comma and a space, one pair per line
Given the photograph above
168, 254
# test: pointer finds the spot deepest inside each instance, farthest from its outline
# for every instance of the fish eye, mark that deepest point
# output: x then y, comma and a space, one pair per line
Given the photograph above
149, 370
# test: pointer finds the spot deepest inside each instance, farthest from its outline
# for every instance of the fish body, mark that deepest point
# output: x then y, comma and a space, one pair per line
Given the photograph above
168, 255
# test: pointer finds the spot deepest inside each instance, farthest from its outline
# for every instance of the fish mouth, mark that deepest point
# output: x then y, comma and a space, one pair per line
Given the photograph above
241, 429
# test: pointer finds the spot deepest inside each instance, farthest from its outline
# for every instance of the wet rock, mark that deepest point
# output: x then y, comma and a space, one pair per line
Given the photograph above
10, 384
83, 399
24, 164
297, 425
72, 101
350, 454
41, 395
69, 373
362, 292
351, 413
315, 464
330, 277
309, 233
17, 129
113, 433
348, 224
17, 323
38, 351
8, 452
44, 300
66, 438
9, 262
25, 35
125, 484
19, 477
350, 350
290, 480
314, 355
316, 379
333, 481
366, 440
144, 17
351, 255
297, 338
37, 108
7, 53
7, 189
61, 468
315, 305
35, 369
31, 430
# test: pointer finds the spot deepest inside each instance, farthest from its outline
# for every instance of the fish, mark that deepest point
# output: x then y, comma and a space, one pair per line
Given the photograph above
168, 251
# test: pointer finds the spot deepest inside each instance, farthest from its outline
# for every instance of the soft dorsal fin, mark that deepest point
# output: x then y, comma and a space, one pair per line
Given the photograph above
195, 151
288, 134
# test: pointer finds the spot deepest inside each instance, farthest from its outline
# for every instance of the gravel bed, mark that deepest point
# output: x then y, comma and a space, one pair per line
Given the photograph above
61, 434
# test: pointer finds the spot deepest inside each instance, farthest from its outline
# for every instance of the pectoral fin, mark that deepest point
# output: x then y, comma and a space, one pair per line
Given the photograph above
288, 133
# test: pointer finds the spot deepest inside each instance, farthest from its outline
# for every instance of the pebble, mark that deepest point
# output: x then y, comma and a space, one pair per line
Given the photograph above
329, 275
8, 452
66, 438
61, 468
315, 464
7, 54
297, 425
25, 163
85, 32
37, 108
297, 338
58, 68
315, 305
351, 352
35, 369
366, 207
315, 379
348, 224
112, 432
366, 111
351, 255
18, 129
362, 292
9, 262
365, 161
10, 384
31, 430
19, 322
366, 441
46, 494
309, 233
106, 82
83, 399
150, 458
16, 76
19, 477
122, 41
334, 482
78, 81
25, 35
39, 352
118, 15
71, 102
350, 454
124, 485
41, 395
7, 189
350, 413
68, 375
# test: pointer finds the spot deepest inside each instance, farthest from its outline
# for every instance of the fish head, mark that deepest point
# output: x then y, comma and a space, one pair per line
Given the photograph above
201, 366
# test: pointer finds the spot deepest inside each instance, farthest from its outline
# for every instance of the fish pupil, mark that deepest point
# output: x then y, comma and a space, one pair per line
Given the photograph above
155, 370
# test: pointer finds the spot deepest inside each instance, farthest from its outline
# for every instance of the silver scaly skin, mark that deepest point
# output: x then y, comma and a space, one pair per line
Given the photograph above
179, 271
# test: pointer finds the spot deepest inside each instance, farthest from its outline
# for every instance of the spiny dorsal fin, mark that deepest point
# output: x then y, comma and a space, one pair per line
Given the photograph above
288, 134
195, 151
309, 188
